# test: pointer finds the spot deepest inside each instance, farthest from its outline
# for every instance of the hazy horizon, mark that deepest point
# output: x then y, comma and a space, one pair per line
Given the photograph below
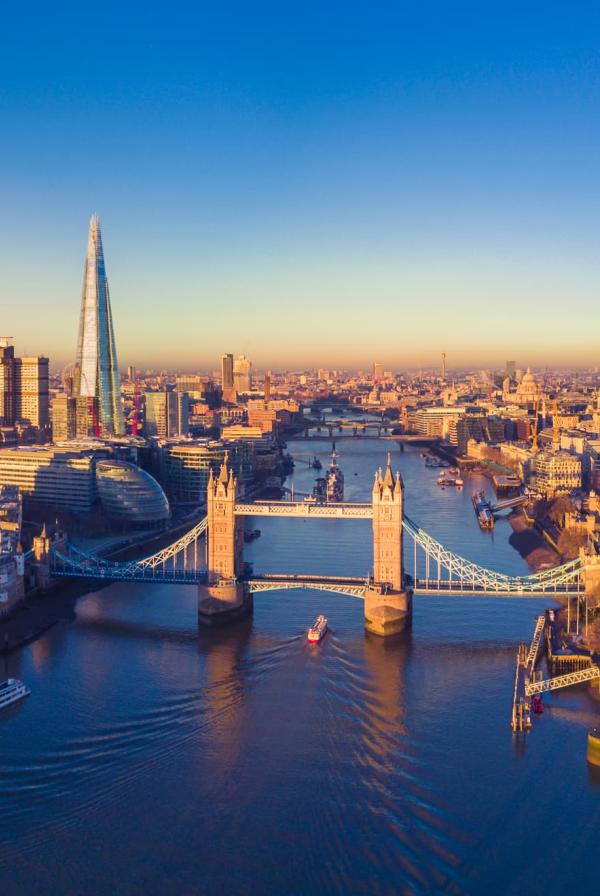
314, 187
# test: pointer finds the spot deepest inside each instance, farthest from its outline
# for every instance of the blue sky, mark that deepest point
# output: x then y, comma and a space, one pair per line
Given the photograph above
316, 183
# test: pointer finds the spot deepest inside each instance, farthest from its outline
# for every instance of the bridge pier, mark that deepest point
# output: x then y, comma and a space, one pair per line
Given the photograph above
387, 613
222, 603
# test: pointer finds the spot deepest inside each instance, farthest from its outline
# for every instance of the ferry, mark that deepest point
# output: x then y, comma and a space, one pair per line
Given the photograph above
454, 471
12, 690
334, 481
459, 483
316, 463
317, 631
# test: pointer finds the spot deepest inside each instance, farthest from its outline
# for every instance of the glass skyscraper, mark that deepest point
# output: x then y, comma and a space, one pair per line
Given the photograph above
96, 373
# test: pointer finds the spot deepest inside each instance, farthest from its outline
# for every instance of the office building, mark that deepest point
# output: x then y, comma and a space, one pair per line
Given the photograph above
437, 422
31, 392
23, 388
242, 374
227, 372
131, 496
60, 477
511, 369
73, 418
96, 372
131, 373
167, 414
185, 467
555, 471
7, 382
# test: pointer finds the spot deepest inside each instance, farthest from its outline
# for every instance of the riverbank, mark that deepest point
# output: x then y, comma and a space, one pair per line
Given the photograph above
530, 544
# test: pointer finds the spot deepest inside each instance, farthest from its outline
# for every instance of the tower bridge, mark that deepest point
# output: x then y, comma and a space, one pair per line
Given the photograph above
211, 556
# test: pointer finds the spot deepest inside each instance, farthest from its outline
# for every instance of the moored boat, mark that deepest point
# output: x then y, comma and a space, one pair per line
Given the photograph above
12, 690
334, 480
537, 704
483, 511
317, 630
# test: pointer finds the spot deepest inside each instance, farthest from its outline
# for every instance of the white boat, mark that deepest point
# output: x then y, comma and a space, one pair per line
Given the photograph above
317, 630
12, 690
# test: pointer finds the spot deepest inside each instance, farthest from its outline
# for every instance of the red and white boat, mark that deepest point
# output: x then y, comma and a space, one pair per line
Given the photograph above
317, 630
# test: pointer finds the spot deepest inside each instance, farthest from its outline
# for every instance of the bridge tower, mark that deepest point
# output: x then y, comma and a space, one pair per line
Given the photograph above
224, 595
388, 602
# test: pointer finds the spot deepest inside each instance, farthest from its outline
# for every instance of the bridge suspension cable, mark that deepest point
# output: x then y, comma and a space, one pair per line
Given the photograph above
468, 576
71, 560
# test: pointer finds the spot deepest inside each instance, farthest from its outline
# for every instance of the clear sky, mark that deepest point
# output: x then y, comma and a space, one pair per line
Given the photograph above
311, 183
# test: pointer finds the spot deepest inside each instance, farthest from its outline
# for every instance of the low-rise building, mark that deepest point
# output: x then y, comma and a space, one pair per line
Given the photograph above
11, 517
60, 477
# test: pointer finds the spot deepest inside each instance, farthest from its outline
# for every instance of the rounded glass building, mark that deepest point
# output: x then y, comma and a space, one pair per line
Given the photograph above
130, 495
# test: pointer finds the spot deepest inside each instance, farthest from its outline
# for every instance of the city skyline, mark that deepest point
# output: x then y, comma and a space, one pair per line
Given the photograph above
259, 200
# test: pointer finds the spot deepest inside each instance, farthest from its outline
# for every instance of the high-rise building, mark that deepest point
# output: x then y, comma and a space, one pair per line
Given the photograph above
23, 388
242, 374
444, 366
131, 373
31, 391
227, 372
73, 418
377, 371
167, 414
511, 369
96, 372
7, 382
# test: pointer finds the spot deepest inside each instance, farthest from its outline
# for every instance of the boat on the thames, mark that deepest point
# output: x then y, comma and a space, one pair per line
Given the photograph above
12, 690
317, 630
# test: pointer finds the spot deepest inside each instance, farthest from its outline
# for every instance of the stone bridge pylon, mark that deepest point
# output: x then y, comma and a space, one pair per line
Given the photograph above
224, 596
388, 601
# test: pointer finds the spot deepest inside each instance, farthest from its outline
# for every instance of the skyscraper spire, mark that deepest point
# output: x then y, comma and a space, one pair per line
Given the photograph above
96, 373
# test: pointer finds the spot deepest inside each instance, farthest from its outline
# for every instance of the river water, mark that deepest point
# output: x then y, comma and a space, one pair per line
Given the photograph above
151, 758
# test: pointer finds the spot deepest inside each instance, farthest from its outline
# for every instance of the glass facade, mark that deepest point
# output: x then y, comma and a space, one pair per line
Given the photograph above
185, 467
130, 495
96, 373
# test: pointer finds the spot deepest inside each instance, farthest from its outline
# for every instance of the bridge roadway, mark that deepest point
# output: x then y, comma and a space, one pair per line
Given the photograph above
353, 586
350, 585
467, 589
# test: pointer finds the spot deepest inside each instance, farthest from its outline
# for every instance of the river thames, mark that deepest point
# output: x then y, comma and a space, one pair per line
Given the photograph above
152, 758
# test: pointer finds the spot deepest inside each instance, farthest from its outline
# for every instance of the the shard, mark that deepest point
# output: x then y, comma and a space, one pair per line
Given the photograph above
96, 373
